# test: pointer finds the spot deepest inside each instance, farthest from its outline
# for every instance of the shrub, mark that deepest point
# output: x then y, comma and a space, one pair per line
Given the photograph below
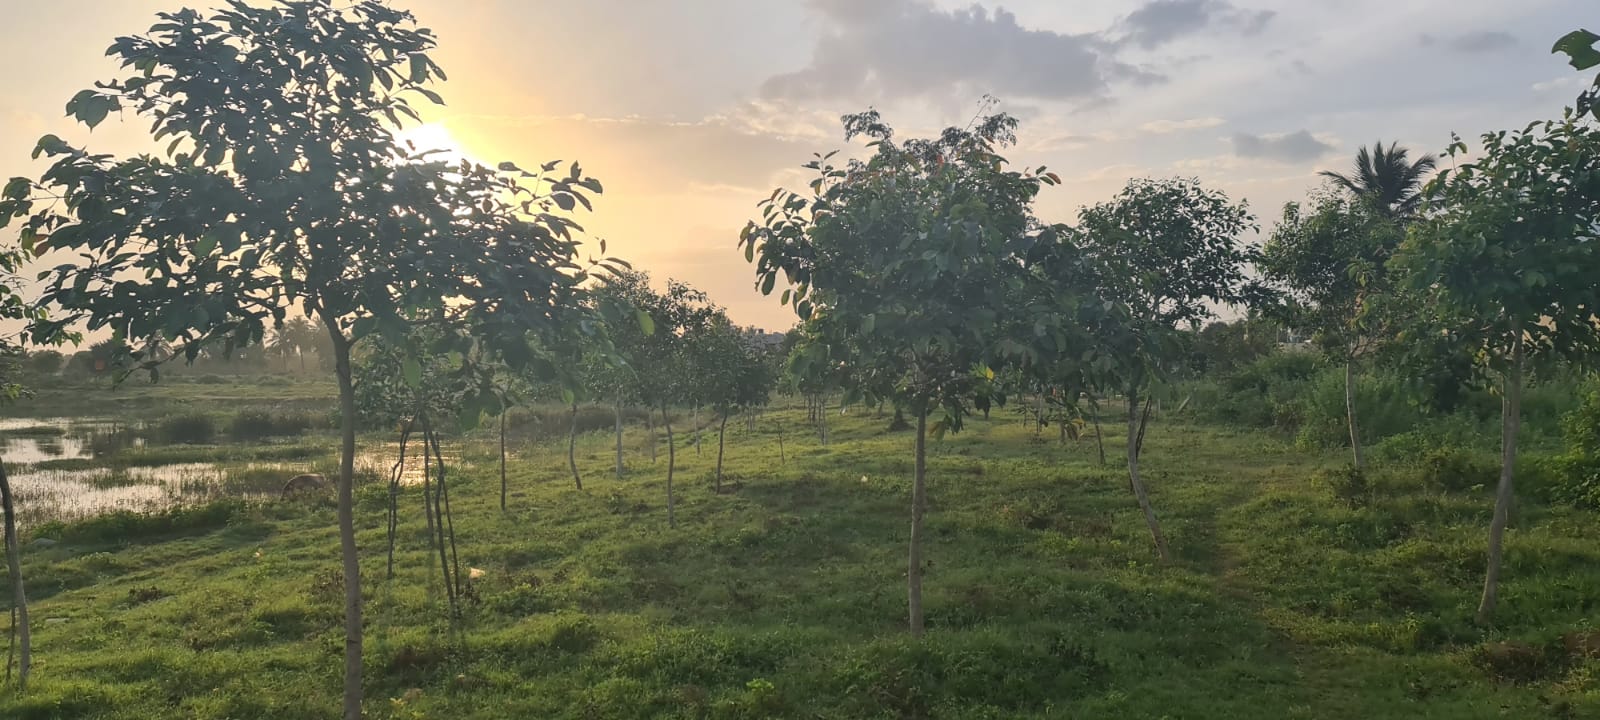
1574, 478
1385, 406
1515, 662
187, 429
1266, 393
1348, 484
249, 425
1457, 469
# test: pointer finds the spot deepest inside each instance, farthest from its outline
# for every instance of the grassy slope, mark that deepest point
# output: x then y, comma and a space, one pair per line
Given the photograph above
786, 599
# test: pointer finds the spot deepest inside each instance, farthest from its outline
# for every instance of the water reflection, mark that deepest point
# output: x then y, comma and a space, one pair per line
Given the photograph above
76, 492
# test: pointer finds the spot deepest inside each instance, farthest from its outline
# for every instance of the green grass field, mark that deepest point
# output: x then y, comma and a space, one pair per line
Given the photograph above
785, 598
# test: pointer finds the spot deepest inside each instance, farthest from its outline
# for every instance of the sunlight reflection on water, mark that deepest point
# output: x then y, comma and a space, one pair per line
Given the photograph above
44, 493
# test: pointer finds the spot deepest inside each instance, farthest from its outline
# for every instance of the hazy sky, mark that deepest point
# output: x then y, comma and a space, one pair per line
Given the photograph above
691, 111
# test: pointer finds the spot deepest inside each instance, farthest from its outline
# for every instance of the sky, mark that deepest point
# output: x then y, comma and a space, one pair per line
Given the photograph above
692, 111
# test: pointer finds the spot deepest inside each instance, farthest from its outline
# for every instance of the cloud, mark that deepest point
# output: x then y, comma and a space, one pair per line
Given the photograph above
1283, 147
1164, 127
874, 50
1564, 83
1159, 22
1484, 41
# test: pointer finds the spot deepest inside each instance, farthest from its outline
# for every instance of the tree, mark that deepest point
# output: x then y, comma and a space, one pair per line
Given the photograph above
1506, 266
45, 362
736, 374
1330, 258
1163, 253
623, 294
284, 187
1387, 179
901, 265
12, 308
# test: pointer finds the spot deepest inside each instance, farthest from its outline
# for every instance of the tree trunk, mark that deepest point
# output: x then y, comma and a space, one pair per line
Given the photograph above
919, 504
395, 474
1038, 415
1099, 437
19, 599
672, 461
347, 523
722, 431
572, 446
696, 422
1350, 409
619, 436
436, 507
1510, 423
650, 423
448, 525
502, 459
1135, 431
822, 415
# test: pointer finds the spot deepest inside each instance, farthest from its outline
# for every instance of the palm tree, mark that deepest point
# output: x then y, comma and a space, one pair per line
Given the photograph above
1387, 178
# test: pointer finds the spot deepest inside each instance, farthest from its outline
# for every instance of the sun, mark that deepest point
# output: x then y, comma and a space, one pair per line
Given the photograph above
434, 136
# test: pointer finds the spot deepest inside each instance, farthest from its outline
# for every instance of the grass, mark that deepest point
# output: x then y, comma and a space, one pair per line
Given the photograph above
785, 599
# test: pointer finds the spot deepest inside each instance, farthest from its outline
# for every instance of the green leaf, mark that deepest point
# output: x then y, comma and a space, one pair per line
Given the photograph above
868, 323
17, 188
419, 68
411, 368
206, 243
430, 95
647, 325
49, 144
1579, 47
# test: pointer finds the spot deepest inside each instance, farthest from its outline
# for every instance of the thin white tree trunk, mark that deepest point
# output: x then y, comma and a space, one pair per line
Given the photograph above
1510, 424
502, 459
722, 433
919, 505
347, 523
1139, 493
19, 598
572, 446
1350, 410
619, 436
672, 461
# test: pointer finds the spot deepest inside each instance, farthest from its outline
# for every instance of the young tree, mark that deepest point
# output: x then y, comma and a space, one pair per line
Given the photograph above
284, 186
1330, 259
901, 265
1506, 265
1163, 253
738, 377
12, 308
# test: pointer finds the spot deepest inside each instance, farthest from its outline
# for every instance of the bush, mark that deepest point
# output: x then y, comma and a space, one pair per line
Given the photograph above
187, 429
1348, 484
259, 424
1385, 406
1266, 393
45, 362
1457, 469
1574, 478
